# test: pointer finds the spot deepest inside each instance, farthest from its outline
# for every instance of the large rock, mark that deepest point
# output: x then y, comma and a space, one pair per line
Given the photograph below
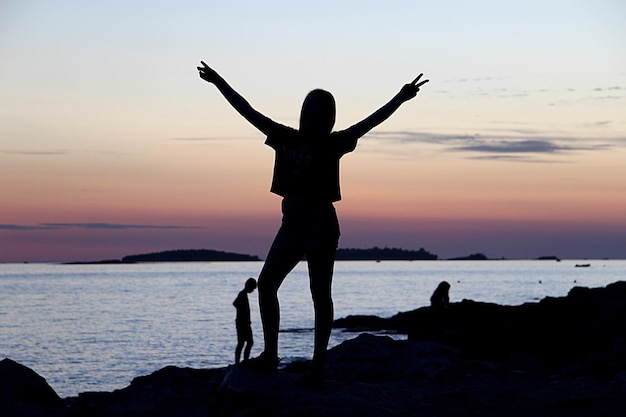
171, 391
583, 333
377, 376
25, 393
380, 359
367, 376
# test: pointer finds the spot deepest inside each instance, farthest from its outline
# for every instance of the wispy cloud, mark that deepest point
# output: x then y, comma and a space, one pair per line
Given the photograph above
211, 139
63, 152
100, 226
403, 136
474, 80
507, 157
518, 144
613, 88
21, 227
36, 153
505, 88
524, 146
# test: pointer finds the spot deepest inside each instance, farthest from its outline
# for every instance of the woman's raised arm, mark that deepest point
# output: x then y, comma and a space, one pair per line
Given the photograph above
407, 92
257, 119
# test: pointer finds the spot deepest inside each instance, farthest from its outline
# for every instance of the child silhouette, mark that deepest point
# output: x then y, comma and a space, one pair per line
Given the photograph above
306, 175
242, 321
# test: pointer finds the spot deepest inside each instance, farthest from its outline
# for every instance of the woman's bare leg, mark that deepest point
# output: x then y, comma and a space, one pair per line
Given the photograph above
283, 256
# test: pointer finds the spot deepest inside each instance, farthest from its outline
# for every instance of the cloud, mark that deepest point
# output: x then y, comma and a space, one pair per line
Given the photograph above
516, 144
196, 139
613, 88
608, 97
20, 227
475, 79
403, 136
64, 152
504, 88
601, 123
211, 139
506, 157
524, 146
114, 226
37, 153
99, 226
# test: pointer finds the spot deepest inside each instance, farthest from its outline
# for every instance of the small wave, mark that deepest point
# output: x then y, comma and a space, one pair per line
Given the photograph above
296, 330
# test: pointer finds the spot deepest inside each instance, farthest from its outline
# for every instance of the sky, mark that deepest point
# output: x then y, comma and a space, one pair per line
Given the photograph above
111, 145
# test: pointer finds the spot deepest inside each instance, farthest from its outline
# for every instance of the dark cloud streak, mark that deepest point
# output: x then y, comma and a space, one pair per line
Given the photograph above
513, 142
524, 146
211, 139
92, 226
20, 227
36, 153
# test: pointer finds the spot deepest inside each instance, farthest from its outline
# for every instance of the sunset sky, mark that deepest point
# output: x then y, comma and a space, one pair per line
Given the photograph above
110, 143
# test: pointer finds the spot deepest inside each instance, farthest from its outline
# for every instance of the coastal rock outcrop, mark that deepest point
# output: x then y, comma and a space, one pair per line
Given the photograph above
580, 334
23, 392
378, 376
171, 391
558, 357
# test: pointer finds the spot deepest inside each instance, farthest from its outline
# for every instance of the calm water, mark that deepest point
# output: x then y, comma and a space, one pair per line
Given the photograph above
95, 327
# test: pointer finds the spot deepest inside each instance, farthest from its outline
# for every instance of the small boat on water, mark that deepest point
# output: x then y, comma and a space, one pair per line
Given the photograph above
583, 265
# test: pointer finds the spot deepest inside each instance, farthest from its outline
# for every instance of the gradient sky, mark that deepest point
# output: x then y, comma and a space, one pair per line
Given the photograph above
111, 145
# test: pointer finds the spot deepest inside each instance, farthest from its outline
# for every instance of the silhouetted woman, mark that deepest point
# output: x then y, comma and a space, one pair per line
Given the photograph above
306, 175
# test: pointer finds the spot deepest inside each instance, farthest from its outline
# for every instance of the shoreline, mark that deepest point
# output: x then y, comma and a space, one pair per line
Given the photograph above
582, 261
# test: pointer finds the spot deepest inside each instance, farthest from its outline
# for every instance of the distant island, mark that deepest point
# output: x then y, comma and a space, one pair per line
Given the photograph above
549, 258
178, 255
190, 255
473, 257
384, 254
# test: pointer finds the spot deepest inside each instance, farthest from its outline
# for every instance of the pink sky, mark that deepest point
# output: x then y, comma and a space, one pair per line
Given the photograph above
111, 145
503, 209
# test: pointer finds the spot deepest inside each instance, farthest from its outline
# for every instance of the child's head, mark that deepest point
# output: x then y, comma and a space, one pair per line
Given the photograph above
318, 113
250, 285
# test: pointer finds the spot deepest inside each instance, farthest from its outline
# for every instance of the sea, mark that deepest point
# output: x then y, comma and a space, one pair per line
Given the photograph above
96, 327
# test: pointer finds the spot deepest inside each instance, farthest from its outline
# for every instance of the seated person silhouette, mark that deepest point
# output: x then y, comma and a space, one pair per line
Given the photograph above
306, 176
242, 321
441, 298
440, 304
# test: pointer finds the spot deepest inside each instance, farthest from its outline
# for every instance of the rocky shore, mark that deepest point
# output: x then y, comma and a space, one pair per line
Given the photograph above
558, 357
